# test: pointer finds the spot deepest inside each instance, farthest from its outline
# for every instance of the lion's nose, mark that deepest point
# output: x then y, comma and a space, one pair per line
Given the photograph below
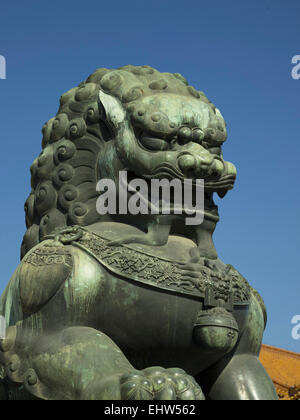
187, 163
217, 167
200, 165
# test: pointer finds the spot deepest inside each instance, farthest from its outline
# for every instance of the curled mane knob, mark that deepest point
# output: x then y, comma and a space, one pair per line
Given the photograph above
66, 97
29, 210
44, 164
97, 76
64, 173
14, 364
31, 378
193, 92
181, 78
132, 95
139, 70
77, 212
67, 195
111, 81
59, 127
52, 221
86, 92
31, 239
77, 128
45, 198
65, 150
147, 70
158, 84
93, 114
46, 130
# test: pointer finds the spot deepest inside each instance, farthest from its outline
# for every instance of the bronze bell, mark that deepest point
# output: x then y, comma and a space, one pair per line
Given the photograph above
216, 330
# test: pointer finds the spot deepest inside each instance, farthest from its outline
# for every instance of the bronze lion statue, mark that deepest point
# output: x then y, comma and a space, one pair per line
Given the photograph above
128, 306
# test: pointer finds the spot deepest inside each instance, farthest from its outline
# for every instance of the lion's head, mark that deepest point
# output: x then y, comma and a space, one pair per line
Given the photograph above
152, 124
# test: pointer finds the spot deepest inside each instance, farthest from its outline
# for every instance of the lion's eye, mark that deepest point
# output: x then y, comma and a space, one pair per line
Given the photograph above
153, 143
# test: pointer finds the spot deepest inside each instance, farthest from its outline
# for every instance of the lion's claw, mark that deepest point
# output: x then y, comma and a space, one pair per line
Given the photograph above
135, 386
156, 383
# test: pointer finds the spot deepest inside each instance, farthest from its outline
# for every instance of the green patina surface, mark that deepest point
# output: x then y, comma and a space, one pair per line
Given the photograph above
97, 301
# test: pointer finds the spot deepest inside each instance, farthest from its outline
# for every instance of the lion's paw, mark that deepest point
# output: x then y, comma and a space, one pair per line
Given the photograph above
156, 383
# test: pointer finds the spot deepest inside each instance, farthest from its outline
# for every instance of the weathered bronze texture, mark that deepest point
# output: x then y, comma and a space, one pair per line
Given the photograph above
99, 302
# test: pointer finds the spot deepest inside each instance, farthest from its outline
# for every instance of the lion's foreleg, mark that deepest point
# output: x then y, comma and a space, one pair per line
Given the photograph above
77, 363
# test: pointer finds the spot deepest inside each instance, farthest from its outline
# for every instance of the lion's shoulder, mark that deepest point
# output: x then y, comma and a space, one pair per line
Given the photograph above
43, 270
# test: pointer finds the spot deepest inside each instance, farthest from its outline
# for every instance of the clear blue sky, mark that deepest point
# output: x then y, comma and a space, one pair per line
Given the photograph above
238, 52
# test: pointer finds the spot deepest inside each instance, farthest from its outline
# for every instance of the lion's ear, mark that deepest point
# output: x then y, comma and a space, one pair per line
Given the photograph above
111, 109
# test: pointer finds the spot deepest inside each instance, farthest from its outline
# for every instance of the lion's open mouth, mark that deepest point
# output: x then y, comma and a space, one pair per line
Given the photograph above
209, 205
169, 171
220, 186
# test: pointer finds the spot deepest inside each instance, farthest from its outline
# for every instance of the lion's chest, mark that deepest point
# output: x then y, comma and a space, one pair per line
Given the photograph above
151, 325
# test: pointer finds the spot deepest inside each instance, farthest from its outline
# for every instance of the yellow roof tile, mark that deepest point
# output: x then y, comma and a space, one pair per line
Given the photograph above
283, 366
